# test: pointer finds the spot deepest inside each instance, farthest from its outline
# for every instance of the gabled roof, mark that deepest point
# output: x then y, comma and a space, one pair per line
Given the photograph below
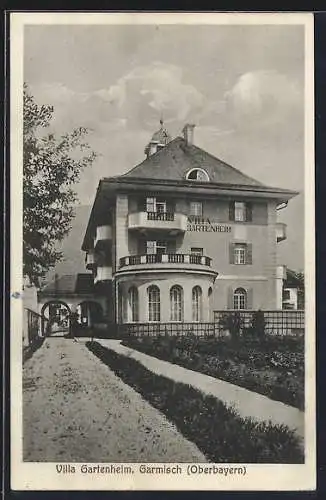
174, 161
69, 284
292, 280
166, 171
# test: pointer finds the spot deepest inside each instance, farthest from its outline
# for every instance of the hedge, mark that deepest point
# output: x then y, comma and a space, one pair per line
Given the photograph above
217, 430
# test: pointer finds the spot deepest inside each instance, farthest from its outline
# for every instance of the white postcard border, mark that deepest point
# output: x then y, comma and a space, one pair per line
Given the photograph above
43, 476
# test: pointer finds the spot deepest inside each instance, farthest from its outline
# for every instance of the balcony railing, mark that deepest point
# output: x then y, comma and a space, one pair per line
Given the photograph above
168, 216
171, 221
170, 258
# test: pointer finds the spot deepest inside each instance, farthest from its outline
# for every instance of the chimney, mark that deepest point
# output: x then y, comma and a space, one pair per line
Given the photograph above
188, 133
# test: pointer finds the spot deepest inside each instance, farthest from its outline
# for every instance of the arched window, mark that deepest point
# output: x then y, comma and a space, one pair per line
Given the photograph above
240, 299
154, 303
176, 303
133, 304
197, 174
210, 299
197, 303
120, 305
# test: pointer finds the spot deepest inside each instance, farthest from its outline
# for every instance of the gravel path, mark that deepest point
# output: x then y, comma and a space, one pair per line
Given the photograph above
75, 409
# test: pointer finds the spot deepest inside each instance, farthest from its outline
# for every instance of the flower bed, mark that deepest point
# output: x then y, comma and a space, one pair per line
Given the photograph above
273, 367
218, 431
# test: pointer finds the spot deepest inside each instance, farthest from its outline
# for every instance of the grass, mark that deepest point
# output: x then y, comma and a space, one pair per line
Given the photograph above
273, 367
218, 431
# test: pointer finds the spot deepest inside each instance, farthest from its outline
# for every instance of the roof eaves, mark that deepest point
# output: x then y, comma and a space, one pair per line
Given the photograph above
204, 184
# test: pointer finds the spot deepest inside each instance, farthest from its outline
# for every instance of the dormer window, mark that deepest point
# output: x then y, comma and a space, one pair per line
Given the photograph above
197, 174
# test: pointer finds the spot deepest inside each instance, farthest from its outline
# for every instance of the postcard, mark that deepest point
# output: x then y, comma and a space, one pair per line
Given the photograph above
162, 251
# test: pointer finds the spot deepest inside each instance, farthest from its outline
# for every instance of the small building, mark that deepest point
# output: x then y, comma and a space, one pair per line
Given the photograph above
183, 234
293, 291
73, 294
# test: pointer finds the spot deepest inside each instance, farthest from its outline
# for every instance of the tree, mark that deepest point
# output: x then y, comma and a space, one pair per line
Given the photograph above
52, 166
299, 275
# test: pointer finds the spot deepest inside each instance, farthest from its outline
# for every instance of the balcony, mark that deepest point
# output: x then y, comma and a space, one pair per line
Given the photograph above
89, 260
103, 235
103, 273
166, 259
280, 231
169, 221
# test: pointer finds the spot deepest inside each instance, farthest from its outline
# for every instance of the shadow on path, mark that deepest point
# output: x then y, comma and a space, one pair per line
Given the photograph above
29, 350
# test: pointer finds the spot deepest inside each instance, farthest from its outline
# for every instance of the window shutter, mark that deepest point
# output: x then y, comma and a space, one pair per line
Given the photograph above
231, 210
231, 253
249, 212
142, 249
171, 246
230, 298
249, 254
142, 205
249, 298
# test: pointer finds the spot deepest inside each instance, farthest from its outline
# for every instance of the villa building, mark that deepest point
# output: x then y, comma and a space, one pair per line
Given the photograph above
183, 234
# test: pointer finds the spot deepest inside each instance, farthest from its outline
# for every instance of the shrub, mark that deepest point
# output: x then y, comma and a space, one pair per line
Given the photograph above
258, 324
233, 322
266, 366
218, 431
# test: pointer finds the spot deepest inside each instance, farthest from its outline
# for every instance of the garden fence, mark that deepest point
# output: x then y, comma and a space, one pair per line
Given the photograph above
33, 326
171, 329
281, 322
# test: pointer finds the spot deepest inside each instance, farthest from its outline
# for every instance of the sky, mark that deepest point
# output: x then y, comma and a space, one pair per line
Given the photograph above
241, 85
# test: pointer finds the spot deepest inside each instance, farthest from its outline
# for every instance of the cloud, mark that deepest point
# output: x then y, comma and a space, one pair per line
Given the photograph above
139, 97
264, 99
147, 91
50, 93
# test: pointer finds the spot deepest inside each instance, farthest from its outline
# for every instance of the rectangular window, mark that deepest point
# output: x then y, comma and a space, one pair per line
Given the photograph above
240, 211
150, 204
197, 251
150, 247
157, 205
161, 247
161, 207
156, 247
196, 208
154, 304
240, 253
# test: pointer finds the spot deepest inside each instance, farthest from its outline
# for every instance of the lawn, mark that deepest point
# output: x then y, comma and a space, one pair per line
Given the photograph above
218, 431
273, 366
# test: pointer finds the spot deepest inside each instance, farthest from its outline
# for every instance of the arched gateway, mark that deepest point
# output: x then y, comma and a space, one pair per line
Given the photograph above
71, 298
56, 316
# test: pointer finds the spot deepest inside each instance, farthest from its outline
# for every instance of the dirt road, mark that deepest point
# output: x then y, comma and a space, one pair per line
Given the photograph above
75, 409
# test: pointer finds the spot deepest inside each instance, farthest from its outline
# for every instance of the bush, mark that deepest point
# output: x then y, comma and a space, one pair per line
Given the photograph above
273, 367
219, 432
232, 322
258, 324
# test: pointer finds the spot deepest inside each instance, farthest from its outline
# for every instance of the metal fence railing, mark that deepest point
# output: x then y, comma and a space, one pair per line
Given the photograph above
171, 329
277, 322
280, 322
